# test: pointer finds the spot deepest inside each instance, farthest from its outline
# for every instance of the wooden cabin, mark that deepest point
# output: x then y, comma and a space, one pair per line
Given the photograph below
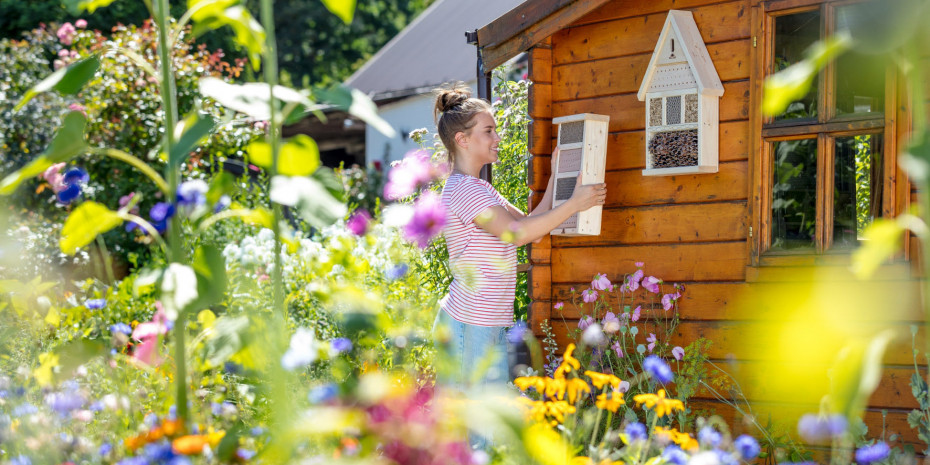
725, 232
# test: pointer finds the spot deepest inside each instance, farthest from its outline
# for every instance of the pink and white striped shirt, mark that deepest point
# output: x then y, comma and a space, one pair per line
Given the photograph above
484, 268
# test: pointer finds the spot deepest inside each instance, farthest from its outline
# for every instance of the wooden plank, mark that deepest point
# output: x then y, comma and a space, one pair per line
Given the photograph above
624, 74
630, 188
540, 101
715, 261
518, 40
662, 224
540, 282
743, 340
518, 20
626, 150
539, 136
891, 272
539, 253
539, 168
538, 312
628, 113
540, 64
758, 169
630, 36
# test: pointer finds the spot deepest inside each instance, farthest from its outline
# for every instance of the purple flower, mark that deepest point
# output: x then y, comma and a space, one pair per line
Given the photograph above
651, 283
816, 429
223, 203
160, 213
121, 328
66, 33
94, 304
105, 449
415, 170
588, 295
73, 181
658, 369
585, 322
21, 460
747, 446
516, 332
358, 222
340, 345
636, 313
64, 402
601, 282
397, 271
611, 323
668, 300
429, 217
635, 431
192, 193
708, 436
873, 453
674, 454
678, 353
618, 349
652, 341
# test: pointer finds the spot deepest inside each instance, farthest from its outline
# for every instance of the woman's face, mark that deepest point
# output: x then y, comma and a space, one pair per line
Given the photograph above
482, 140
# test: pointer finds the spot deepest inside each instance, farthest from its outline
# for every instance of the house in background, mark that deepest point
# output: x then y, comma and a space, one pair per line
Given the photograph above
400, 78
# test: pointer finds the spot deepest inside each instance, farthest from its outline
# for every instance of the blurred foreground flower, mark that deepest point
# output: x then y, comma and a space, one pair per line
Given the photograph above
302, 351
429, 217
414, 171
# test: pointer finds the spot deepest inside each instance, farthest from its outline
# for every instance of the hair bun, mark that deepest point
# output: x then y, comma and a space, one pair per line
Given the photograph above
446, 99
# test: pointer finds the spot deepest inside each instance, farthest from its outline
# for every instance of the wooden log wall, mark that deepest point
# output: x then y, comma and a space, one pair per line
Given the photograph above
689, 229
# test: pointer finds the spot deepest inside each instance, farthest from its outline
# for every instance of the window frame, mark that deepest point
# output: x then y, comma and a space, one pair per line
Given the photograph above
890, 123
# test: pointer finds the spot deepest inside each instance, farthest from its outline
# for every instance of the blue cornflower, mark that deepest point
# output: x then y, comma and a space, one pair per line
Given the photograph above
24, 410
105, 448
516, 332
121, 328
340, 345
94, 304
4, 393
816, 429
747, 446
160, 213
75, 178
245, 454
658, 369
635, 431
223, 203
159, 452
134, 461
321, 394
397, 271
874, 453
674, 454
21, 460
257, 431
64, 402
232, 368
192, 193
708, 436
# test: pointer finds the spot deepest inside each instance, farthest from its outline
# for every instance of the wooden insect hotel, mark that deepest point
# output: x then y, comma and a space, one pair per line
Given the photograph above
582, 151
682, 91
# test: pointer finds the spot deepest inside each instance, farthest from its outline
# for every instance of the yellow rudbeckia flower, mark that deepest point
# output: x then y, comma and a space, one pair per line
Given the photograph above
601, 379
682, 439
576, 388
610, 401
526, 382
568, 363
662, 405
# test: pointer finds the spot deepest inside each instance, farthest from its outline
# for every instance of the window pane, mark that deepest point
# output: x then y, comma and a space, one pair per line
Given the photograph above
857, 187
860, 78
793, 35
794, 194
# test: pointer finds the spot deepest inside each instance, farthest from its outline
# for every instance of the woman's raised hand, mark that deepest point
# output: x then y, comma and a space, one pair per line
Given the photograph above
588, 195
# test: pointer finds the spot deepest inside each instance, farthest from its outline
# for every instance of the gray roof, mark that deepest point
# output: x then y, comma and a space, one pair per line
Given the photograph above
429, 51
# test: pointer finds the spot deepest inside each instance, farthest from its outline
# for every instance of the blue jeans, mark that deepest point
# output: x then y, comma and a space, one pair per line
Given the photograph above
479, 353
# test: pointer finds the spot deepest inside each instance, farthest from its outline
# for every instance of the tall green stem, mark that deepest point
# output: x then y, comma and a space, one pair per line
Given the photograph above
169, 99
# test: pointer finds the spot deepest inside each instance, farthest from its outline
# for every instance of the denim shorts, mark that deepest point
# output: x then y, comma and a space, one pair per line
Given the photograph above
479, 353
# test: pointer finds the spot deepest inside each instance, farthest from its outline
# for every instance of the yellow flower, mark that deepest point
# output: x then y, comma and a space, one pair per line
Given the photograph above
568, 363
682, 439
611, 403
589, 461
660, 403
555, 387
558, 409
600, 379
526, 382
575, 388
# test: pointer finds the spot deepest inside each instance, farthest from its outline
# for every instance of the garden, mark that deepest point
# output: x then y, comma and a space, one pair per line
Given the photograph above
181, 284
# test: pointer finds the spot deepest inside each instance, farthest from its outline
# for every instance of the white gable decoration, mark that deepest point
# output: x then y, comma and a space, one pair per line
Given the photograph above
682, 94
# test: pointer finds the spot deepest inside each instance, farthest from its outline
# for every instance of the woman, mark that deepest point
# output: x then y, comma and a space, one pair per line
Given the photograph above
483, 231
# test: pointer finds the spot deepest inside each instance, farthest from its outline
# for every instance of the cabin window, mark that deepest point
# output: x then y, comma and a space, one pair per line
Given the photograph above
823, 159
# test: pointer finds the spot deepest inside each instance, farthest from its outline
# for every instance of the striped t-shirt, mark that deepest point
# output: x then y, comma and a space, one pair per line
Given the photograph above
484, 268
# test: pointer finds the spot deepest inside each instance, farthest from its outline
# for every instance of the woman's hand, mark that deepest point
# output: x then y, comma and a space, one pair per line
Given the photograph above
588, 195
555, 156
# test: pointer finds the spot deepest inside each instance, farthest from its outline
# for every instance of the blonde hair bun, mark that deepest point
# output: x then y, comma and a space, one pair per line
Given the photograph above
454, 111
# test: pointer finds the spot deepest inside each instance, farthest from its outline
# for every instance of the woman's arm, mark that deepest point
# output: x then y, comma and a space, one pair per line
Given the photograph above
522, 230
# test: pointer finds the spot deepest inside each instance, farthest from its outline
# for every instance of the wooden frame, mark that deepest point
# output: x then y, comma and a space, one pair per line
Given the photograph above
588, 150
826, 128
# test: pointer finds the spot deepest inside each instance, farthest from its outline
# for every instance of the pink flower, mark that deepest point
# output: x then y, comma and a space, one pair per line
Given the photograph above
678, 353
64, 53
58, 64
124, 200
639, 264
611, 323
358, 222
66, 33
77, 107
601, 282
651, 284
147, 352
585, 321
559, 306
415, 170
588, 295
636, 313
652, 341
80, 24
148, 333
624, 386
429, 217
617, 349
55, 178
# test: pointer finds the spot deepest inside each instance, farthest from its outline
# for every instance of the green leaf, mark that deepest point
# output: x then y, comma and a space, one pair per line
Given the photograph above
310, 197
299, 156
76, 7
210, 268
914, 418
344, 9
331, 181
856, 374
68, 80
227, 336
196, 130
357, 104
221, 184
67, 144
214, 14
250, 98
84, 224
793, 82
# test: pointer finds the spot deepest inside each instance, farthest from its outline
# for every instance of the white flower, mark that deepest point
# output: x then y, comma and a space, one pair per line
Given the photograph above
593, 335
179, 288
302, 351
